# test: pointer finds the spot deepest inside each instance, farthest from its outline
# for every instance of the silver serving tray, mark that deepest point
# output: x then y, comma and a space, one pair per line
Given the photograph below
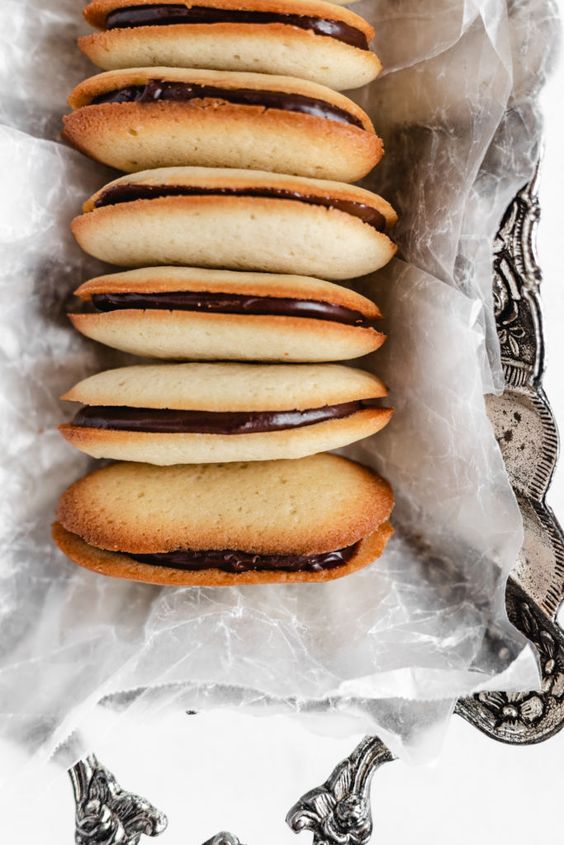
338, 812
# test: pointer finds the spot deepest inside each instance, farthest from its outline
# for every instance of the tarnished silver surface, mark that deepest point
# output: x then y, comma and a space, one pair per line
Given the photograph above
527, 717
338, 812
105, 813
527, 435
223, 838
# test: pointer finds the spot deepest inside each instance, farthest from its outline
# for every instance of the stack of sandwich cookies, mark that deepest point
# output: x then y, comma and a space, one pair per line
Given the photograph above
193, 313
276, 522
238, 220
159, 117
168, 414
235, 211
308, 39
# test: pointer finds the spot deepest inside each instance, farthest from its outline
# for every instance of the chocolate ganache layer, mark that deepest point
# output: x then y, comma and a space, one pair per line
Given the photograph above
171, 421
228, 303
122, 193
161, 15
155, 90
232, 560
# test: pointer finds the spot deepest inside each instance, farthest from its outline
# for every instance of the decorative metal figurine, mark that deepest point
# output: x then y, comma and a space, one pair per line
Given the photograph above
338, 812
105, 813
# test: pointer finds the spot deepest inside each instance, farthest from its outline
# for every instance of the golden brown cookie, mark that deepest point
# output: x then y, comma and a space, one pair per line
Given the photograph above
194, 313
219, 525
144, 118
209, 413
308, 39
238, 220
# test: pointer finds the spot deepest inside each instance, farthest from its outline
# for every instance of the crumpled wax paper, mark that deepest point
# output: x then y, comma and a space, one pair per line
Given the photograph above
391, 646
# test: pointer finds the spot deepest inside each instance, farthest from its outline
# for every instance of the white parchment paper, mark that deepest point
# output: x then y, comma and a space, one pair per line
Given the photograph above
391, 647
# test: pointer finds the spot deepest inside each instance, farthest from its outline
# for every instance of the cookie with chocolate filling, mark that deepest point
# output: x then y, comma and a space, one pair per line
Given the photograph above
192, 313
160, 117
308, 39
208, 413
237, 220
315, 519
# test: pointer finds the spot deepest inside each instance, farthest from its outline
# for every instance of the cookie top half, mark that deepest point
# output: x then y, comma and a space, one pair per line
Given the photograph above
228, 387
310, 506
209, 84
223, 181
195, 279
125, 14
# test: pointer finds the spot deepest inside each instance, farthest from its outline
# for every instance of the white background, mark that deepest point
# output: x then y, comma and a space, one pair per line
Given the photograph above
227, 766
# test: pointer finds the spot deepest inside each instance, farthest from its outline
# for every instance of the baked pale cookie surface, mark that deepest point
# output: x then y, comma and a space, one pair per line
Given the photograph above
194, 313
238, 220
222, 412
159, 117
308, 39
283, 521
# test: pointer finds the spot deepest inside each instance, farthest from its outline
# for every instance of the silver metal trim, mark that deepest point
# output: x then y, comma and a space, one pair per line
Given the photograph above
527, 435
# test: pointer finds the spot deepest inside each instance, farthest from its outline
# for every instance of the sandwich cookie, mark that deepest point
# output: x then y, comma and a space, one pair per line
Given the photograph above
192, 313
159, 117
223, 525
205, 413
308, 39
237, 220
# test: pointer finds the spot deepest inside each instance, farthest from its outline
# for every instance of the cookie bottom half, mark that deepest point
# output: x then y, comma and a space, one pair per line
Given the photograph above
124, 566
192, 448
232, 47
191, 335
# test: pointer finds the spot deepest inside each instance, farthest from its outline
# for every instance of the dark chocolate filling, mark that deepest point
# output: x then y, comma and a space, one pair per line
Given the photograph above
131, 192
155, 90
171, 421
232, 560
230, 303
161, 15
